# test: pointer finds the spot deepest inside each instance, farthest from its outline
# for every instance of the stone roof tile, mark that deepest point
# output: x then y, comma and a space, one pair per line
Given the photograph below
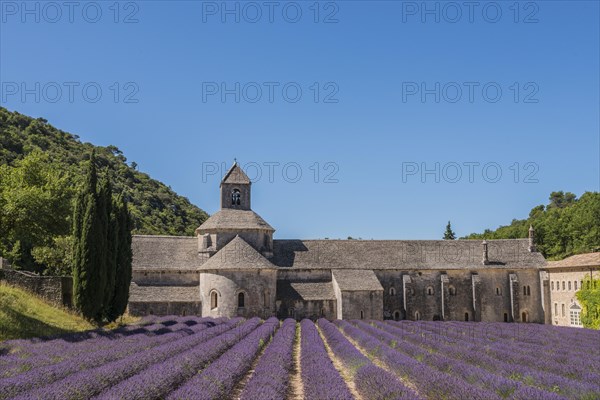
403, 254
236, 175
158, 252
356, 279
578, 260
237, 254
230, 218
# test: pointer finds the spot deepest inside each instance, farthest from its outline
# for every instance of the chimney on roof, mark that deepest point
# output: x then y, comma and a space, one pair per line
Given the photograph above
531, 239
485, 260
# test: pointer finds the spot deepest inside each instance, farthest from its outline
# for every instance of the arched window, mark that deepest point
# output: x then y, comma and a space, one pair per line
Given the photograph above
417, 316
291, 312
392, 291
556, 309
266, 299
524, 290
575, 285
562, 307
429, 291
569, 285
452, 291
241, 300
552, 285
362, 314
529, 290
213, 300
397, 315
235, 197
498, 291
563, 285
466, 316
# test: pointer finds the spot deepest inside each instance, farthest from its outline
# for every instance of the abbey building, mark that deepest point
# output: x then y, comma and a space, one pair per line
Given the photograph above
234, 267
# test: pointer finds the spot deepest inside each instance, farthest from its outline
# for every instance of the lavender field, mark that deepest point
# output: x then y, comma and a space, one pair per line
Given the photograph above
205, 358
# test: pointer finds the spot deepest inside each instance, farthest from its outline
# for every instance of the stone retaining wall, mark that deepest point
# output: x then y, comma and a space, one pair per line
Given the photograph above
57, 290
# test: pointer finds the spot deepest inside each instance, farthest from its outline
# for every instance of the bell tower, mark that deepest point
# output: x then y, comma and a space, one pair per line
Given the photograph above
235, 189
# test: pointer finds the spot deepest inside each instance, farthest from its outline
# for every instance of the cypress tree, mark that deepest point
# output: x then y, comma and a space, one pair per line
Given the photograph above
111, 245
100, 272
85, 250
124, 257
449, 233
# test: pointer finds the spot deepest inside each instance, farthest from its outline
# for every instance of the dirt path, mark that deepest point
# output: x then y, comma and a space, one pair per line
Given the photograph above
237, 390
377, 362
340, 367
296, 389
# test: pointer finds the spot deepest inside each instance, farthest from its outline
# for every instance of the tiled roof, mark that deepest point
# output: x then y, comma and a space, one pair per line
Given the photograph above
139, 293
356, 279
403, 254
229, 218
305, 290
181, 253
237, 254
236, 175
578, 260
160, 252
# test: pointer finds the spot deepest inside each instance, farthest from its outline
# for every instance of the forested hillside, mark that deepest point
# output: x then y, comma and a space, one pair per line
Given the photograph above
564, 227
40, 169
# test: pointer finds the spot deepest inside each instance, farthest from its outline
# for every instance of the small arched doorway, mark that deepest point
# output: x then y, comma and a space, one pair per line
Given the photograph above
362, 314
241, 300
397, 315
467, 316
524, 317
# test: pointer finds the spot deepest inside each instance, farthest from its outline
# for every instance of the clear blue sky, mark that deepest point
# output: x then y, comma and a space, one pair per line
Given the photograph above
375, 61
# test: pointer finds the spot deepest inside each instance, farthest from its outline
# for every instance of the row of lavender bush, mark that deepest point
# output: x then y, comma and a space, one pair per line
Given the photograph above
157, 380
483, 379
372, 382
81, 382
56, 351
217, 380
270, 379
500, 363
320, 379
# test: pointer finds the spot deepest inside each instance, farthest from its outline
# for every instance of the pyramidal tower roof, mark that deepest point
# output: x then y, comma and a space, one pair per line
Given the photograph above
236, 175
237, 254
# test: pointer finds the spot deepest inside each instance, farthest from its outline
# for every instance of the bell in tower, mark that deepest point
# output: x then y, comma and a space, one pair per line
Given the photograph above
235, 189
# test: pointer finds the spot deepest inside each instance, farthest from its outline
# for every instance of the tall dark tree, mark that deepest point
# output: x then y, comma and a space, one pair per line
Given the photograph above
449, 233
112, 240
87, 254
124, 257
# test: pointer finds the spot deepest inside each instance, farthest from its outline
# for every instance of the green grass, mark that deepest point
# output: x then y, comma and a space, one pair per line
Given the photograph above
23, 315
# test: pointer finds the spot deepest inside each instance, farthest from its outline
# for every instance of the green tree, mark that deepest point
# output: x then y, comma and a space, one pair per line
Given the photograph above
89, 255
39, 168
564, 227
56, 258
449, 234
589, 298
123, 261
35, 205
111, 230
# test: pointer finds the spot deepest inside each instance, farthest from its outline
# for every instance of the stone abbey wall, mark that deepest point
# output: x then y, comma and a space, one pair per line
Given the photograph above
57, 290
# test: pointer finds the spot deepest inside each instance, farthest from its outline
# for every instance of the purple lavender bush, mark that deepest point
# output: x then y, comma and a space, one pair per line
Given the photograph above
372, 382
218, 379
270, 379
319, 377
